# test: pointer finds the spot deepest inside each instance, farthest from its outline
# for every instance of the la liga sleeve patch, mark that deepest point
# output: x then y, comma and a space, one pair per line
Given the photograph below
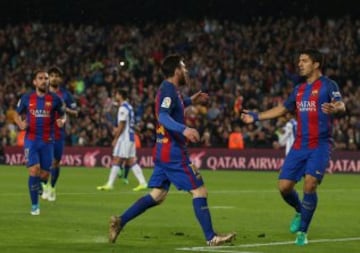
166, 103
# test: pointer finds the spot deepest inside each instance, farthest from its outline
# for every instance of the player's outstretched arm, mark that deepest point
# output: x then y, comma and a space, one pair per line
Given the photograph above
250, 116
199, 97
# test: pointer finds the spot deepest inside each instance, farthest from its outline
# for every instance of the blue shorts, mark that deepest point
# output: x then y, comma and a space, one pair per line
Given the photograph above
39, 152
183, 175
300, 162
58, 149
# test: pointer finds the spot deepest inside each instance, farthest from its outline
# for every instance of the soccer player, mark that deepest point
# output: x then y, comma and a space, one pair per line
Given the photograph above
171, 160
287, 133
315, 101
56, 79
124, 150
40, 107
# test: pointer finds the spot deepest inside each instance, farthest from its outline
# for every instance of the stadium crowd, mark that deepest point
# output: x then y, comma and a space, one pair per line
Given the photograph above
241, 65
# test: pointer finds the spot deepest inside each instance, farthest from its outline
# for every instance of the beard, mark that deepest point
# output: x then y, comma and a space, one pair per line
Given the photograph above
183, 80
54, 85
42, 89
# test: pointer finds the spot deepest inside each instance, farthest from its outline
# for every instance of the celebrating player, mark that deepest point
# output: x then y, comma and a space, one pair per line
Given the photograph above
56, 79
41, 108
314, 101
172, 164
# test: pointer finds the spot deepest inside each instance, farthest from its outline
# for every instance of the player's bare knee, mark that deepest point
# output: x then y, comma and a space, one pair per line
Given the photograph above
34, 170
131, 161
116, 160
285, 186
310, 186
200, 192
159, 195
44, 175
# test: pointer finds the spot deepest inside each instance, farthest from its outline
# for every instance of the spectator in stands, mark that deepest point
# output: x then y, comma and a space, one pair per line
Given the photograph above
236, 140
242, 66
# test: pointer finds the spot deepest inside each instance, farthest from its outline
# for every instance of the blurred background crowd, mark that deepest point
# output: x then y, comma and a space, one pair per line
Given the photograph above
241, 65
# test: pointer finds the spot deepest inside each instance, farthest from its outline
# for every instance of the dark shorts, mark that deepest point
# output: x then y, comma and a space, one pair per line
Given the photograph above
300, 162
39, 152
183, 175
58, 149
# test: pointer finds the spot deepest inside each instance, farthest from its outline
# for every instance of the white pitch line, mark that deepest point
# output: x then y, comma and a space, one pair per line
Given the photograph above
222, 207
253, 245
95, 192
171, 192
208, 249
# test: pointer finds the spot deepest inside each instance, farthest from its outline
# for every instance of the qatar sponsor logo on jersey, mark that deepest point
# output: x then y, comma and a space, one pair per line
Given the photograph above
306, 106
40, 113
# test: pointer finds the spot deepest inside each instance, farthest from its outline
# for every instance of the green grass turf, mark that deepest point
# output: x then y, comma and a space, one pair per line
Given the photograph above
245, 202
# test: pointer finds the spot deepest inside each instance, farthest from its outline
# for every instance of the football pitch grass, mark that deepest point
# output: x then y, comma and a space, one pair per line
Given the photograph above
245, 202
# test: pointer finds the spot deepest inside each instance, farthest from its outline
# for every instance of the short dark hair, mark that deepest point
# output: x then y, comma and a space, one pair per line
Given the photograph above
57, 70
123, 93
169, 64
36, 72
315, 55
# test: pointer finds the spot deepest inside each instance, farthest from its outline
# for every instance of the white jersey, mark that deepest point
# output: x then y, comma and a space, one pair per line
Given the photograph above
125, 145
287, 138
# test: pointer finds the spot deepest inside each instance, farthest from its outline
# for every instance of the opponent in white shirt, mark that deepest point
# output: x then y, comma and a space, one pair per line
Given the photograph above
124, 150
288, 133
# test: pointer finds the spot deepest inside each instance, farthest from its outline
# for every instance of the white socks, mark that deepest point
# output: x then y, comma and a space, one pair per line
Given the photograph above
113, 175
138, 173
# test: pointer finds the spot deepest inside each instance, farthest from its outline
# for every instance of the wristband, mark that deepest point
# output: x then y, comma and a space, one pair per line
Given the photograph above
254, 115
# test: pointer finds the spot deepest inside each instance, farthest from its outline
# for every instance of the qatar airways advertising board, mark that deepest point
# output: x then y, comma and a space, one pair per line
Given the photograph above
211, 159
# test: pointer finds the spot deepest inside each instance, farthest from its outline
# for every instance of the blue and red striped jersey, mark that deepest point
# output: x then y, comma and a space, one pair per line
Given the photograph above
40, 114
170, 145
69, 103
314, 127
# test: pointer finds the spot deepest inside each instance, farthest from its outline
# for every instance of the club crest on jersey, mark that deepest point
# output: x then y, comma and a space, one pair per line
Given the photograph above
48, 104
166, 102
314, 92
